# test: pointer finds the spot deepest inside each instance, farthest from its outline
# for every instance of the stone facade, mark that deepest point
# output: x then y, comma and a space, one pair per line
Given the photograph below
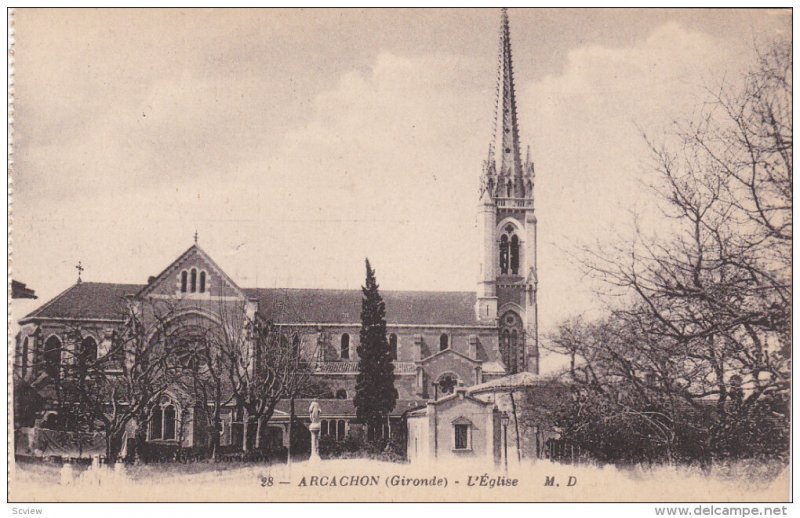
434, 356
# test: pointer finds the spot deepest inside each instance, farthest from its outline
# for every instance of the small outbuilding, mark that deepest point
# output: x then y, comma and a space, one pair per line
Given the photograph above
510, 416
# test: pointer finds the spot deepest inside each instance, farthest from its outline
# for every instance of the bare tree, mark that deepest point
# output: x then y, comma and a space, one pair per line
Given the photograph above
266, 362
202, 372
707, 300
125, 380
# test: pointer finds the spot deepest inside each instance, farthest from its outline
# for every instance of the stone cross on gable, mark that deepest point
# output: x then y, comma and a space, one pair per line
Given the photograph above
80, 269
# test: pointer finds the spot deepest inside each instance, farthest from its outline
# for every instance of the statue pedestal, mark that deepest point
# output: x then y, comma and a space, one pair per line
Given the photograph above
314, 429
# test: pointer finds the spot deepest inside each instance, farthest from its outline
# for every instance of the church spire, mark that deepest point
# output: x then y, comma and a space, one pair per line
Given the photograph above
506, 133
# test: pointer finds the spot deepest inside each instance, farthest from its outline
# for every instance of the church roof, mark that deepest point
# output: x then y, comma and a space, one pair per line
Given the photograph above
513, 382
106, 301
351, 367
327, 306
87, 300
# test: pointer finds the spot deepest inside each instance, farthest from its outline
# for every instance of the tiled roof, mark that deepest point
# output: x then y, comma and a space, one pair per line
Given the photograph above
513, 381
344, 306
420, 407
493, 368
88, 300
340, 407
345, 367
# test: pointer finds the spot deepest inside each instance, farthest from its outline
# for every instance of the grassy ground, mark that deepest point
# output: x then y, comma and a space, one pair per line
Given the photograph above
260, 482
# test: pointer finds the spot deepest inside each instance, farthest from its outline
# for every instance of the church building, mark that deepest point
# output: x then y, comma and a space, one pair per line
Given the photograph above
441, 342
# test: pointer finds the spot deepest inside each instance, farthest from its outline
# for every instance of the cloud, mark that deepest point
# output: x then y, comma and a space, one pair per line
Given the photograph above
591, 159
383, 162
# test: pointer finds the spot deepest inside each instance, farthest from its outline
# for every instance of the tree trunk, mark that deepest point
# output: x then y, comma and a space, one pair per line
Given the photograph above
113, 441
215, 438
516, 424
245, 428
141, 437
258, 433
109, 442
291, 428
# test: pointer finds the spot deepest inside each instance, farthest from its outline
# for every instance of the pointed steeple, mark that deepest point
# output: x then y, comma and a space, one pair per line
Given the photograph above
506, 133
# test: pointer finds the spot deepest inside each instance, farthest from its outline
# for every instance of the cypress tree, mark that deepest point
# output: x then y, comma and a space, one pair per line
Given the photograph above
375, 392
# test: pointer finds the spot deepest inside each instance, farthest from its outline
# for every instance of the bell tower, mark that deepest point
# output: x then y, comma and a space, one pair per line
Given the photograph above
507, 284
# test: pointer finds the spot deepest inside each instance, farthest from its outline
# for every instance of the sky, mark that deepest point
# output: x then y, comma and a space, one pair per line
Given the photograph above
298, 142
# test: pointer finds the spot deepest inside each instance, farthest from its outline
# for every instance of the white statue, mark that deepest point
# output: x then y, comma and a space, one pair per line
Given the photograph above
314, 411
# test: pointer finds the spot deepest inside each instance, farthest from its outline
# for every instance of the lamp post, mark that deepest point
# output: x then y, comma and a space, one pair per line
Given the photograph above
504, 419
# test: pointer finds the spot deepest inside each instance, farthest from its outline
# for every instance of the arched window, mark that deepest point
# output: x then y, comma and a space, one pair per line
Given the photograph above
169, 423
24, 359
514, 255
530, 188
504, 254
513, 352
444, 341
341, 394
156, 423
512, 342
52, 357
509, 188
184, 276
193, 284
509, 251
340, 430
505, 344
202, 282
393, 346
344, 349
164, 421
88, 350
296, 345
